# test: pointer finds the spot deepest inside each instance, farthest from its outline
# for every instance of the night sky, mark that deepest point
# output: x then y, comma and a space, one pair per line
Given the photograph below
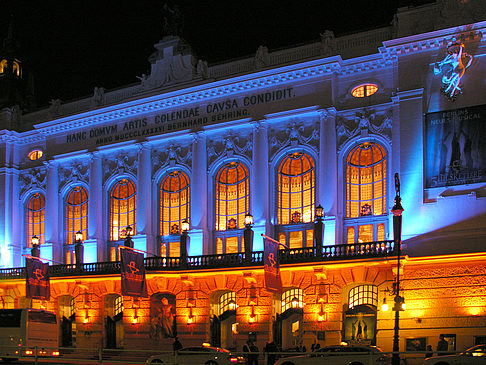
75, 45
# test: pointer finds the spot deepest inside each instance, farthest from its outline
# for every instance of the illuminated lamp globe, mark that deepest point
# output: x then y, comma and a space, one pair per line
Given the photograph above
34, 240
248, 220
78, 236
185, 225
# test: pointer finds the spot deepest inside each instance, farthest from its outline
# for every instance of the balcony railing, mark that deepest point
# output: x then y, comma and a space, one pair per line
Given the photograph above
286, 256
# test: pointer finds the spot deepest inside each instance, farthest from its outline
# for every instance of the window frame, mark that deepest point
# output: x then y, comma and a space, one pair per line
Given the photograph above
30, 229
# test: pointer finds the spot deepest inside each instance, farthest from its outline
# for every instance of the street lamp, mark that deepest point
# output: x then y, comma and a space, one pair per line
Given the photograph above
128, 239
78, 248
318, 228
248, 237
183, 242
397, 238
35, 251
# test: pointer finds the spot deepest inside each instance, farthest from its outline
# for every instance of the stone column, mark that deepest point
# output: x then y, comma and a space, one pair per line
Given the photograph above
327, 193
94, 246
199, 234
144, 239
52, 248
260, 202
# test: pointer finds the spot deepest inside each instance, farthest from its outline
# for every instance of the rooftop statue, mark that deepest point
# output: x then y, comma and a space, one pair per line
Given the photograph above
173, 20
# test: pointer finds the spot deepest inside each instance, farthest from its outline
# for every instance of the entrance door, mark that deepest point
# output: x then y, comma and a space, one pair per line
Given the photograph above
215, 327
277, 331
67, 332
110, 333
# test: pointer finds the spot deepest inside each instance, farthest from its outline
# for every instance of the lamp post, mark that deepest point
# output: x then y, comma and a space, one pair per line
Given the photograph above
248, 237
78, 248
318, 228
185, 229
397, 238
128, 239
35, 251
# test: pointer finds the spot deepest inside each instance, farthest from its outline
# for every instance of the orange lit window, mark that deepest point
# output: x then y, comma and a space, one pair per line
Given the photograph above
170, 249
123, 205
366, 180
35, 154
227, 302
3, 65
232, 196
75, 214
364, 90
35, 218
174, 202
292, 299
296, 189
363, 294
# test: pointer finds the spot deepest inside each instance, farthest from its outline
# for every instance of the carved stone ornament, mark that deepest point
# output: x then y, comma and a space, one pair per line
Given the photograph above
122, 163
76, 171
171, 156
363, 124
32, 179
229, 146
296, 134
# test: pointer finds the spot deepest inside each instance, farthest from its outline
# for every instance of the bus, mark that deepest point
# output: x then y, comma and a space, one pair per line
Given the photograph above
25, 331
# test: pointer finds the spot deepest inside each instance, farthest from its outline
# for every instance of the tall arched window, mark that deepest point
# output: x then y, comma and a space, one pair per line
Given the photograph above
365, 193
232, 203
75, 214
35, 218
174, 202
123, 206
296, 200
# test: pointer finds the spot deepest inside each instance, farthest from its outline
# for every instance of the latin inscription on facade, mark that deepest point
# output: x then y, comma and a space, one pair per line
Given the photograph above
180, 119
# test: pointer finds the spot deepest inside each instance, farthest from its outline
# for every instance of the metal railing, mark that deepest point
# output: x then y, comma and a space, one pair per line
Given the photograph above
286, 256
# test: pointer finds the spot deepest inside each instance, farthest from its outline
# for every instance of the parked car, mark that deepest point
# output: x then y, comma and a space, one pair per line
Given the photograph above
198, 355
474, 356
340, 355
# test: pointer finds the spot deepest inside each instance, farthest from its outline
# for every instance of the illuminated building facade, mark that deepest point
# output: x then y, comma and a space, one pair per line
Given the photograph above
327, 123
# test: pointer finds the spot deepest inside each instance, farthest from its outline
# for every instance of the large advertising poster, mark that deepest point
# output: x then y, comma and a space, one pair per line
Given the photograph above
133, 273
455, 152
37, 284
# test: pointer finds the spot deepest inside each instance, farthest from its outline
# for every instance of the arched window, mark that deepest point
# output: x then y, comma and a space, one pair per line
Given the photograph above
75, 214
366, 193
296, 200
123, 205
174, 202
232, 203
363, 294
35, 218
232, 196
227, 302
118, 305
292, 299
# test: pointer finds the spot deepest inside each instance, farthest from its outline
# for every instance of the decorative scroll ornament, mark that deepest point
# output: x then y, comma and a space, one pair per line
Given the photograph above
364, 123
76, 171
173, 155
229, 146
33, 178
453, 67
121, 164
294, 135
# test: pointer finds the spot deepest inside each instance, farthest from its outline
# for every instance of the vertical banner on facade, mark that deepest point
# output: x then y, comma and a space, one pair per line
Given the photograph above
37, 285
273, 282
455, 152
133, 273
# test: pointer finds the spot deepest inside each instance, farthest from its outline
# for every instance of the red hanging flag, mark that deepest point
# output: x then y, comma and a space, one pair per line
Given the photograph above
273, 282
37, 285
133, 273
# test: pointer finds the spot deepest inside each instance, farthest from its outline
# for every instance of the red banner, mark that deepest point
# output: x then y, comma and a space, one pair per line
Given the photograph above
273, 282
133, 273
37, 285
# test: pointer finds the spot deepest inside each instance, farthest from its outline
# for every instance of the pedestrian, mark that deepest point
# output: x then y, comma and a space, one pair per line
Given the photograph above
442, 346
429, 352
253, 356
246, 350
177, 345
271, 349
315, 346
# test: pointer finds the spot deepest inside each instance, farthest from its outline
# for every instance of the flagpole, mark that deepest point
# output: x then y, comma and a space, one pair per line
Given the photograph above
274, 241
40, 259
134, 249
